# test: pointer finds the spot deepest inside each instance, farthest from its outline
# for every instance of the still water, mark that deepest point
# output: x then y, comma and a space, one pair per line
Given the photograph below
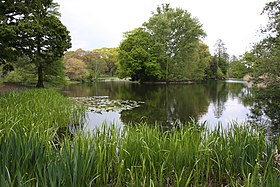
211, 102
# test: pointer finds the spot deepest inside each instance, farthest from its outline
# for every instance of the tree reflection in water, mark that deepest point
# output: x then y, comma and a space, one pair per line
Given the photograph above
266, 108
170, 104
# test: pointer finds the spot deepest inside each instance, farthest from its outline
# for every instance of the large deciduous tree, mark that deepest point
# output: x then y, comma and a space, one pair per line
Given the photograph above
177, 36
136, 57
33, 28
75, 69
165, 48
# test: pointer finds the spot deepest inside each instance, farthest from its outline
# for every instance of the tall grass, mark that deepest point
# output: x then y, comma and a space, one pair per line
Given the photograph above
43, 109
138, 155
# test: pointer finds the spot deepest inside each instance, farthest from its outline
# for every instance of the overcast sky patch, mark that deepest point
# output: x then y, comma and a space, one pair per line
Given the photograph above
95, 23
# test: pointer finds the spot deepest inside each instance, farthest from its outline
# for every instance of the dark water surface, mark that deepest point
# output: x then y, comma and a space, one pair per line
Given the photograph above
212, 101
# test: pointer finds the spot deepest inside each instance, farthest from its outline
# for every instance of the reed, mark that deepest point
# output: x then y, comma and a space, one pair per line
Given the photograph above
31, 154
42, 109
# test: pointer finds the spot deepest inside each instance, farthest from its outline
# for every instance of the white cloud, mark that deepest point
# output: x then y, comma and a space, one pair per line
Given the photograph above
96, 23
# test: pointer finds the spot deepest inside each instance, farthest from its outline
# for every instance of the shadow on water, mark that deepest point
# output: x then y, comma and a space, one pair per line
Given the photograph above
168, 105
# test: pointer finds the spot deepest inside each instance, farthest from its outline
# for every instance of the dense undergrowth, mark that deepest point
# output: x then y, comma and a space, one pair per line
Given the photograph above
38, 149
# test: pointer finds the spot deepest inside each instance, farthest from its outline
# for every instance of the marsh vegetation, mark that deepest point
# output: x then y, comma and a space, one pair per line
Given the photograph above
43, 139
37, 148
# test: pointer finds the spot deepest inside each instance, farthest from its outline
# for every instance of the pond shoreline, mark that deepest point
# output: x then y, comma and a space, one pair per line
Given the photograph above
124, 156
14, 86
170, 82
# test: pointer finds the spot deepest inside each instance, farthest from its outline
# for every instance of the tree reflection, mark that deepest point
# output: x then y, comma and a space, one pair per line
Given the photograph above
220, 91
266, 102
165, 104
169, 104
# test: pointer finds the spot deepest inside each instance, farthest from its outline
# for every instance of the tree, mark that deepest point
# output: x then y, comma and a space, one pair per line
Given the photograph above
177, 36
34, 30
204, 60
222, 58
110, 57
211, 72
23, 71
136, 58
238, 68
98, 61
266, 67
79, 54
75, 69
166, 48
8, 31
95, 63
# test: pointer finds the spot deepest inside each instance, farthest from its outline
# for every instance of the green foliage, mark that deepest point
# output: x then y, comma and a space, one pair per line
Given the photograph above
266, 101
102, 62
110, 56
75, 69
177, 50
24, 71
214, 71
267, 65
91, 65
266, 68
8, 35
30, 130
238, 68
204, 60
223, 65
47, 110
33, 30
219, 66
136, 57
139, 156
54, 74
37, 149
161, 49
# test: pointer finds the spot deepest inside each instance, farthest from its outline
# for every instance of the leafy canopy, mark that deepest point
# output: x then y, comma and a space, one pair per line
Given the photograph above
266, 67
32, 28
164, 48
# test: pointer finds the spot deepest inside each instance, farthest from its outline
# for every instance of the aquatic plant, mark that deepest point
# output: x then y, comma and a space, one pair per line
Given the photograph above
98, 104
136, 155
44, 110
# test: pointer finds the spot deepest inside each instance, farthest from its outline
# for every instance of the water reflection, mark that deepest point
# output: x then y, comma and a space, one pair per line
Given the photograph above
98, 119
171, 104
234, 111
266, 107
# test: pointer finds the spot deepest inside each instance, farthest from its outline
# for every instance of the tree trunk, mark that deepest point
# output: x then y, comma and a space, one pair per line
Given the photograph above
40, 82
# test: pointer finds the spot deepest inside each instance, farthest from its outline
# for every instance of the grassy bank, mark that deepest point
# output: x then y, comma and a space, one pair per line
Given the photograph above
33, 151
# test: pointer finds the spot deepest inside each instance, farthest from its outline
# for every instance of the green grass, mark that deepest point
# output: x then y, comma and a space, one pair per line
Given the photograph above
31, 154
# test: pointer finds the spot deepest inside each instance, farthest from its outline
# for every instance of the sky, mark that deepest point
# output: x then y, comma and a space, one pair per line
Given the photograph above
101, 23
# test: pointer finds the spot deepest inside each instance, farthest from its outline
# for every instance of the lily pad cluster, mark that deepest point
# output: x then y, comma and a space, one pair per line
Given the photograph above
99, 104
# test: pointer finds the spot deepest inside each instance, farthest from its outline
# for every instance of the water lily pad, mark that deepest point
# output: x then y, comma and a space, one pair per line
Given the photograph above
99, 104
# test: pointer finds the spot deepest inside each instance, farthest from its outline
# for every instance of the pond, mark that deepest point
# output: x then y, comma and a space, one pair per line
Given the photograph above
212, 102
